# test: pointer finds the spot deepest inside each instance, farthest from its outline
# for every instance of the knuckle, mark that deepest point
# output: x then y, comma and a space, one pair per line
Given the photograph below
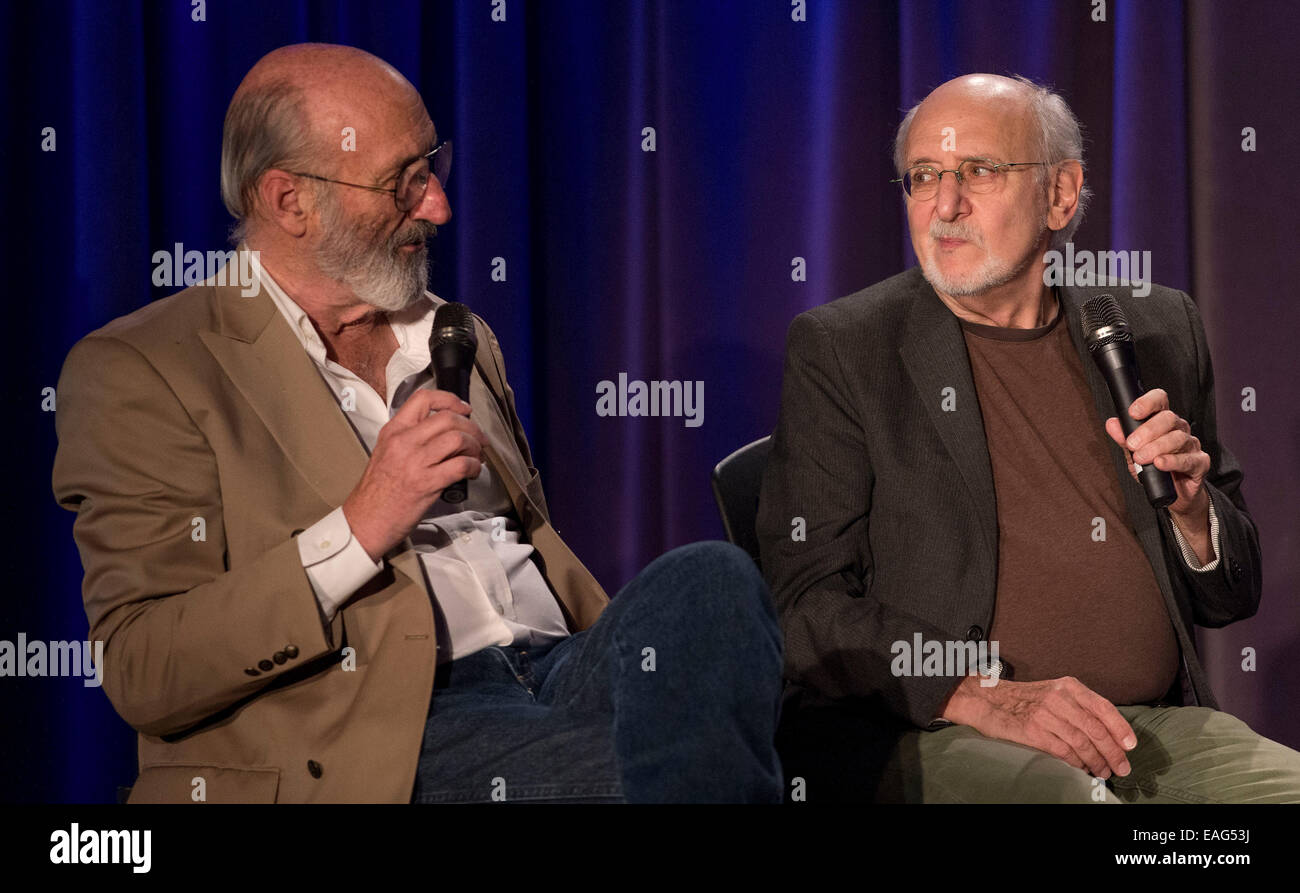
440, 445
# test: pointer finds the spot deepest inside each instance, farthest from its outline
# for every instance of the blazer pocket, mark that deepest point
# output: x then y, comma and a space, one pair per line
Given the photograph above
182, 783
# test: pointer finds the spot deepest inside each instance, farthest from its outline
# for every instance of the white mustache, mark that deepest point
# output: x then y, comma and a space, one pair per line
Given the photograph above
941, 230
419, 237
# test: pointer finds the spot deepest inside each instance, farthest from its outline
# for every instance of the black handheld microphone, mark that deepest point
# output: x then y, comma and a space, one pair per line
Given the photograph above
452, 346
1109, 340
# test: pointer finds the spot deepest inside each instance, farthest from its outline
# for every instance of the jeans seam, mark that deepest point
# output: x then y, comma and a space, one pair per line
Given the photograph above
519, 678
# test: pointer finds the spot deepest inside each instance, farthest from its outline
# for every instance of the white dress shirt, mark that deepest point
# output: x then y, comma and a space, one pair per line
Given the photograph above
485, 587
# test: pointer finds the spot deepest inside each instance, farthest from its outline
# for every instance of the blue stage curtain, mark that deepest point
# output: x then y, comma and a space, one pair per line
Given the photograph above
771, 154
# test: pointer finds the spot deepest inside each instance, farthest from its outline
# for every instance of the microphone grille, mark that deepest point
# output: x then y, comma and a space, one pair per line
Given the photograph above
454, 321
453, 313
1104, 321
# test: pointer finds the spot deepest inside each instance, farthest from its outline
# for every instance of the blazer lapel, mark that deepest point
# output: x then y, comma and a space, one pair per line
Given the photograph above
529, 514
934, 354
505, 461
263, 359
580, 596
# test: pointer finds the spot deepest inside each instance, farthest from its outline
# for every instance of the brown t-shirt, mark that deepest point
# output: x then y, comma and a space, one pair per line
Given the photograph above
1067, 604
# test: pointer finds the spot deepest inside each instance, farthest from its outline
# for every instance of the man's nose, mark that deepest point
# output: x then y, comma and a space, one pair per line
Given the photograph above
434, 207
948, 201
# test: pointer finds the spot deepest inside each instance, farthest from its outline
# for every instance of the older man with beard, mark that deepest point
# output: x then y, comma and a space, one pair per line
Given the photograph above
289, 609
949, 493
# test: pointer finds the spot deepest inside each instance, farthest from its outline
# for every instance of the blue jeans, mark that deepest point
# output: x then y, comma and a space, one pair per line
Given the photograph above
671, 696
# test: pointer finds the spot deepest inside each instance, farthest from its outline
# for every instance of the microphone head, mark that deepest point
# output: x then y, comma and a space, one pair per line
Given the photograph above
1103, 322
453, 323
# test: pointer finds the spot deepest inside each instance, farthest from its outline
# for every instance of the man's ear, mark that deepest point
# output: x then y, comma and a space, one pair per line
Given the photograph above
281, 201
1063, 193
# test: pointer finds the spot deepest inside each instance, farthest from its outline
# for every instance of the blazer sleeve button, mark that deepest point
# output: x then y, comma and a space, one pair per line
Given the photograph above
975, 633
314, 769
279, 657
291, 651
251, 671
265, 664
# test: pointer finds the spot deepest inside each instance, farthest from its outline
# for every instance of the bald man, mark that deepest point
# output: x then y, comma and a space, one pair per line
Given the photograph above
980, 604
290, 610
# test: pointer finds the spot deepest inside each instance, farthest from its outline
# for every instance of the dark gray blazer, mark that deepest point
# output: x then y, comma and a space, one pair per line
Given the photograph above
897, 494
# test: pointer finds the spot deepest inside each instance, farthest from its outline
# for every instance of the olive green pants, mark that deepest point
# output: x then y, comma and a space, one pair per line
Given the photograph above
1183, 755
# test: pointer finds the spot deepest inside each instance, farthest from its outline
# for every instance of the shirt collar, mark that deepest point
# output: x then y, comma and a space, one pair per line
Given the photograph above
411, 326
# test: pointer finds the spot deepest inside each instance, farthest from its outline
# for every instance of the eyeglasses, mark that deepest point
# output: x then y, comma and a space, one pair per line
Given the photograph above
412, 182
921, 182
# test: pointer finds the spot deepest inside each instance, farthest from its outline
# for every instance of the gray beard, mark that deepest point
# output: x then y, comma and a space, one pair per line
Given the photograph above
991, 274
375, 272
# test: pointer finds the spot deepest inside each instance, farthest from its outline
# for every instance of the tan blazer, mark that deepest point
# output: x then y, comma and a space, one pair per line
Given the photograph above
196, 437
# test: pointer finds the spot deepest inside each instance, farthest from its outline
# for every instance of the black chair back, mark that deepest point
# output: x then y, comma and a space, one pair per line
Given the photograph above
736, 481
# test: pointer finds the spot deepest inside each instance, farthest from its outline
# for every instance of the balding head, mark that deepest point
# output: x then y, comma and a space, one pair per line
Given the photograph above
1014, 101
1027, 114
291, 109
326, 68
326, 166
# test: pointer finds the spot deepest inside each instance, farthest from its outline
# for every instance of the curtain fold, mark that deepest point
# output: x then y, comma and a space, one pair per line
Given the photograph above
766, 193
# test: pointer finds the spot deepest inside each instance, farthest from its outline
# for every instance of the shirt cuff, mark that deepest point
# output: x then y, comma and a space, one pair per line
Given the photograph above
1189, 554
336, 563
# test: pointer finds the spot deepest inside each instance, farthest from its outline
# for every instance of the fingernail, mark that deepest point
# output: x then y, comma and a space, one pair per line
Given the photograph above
1132, 443
1130, 742
1125, 768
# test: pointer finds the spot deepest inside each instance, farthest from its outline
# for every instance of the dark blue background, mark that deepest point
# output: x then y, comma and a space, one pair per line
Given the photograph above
773, 142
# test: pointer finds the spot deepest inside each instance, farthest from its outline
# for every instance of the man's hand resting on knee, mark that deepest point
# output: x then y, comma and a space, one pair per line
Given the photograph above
1062, 717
